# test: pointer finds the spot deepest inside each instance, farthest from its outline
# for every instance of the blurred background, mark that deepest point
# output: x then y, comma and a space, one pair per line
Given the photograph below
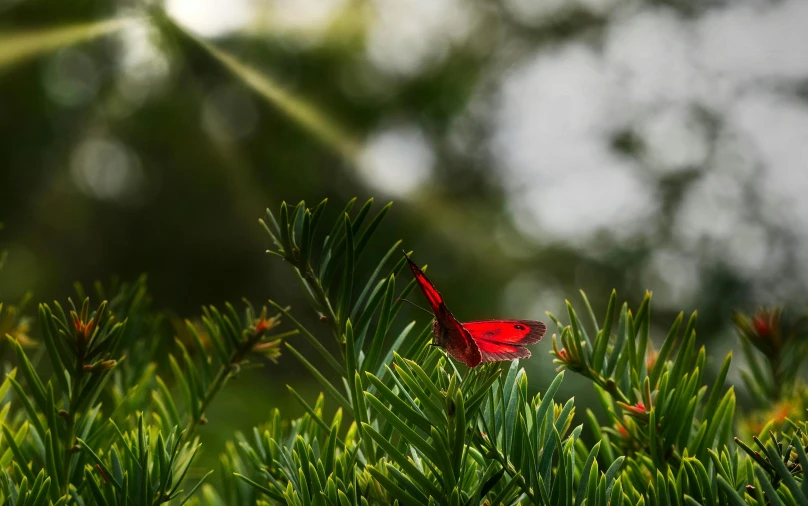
532, 148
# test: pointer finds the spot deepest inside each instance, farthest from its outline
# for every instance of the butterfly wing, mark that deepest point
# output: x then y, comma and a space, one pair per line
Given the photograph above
495, 352
507, 331
459, 343
454, 337
432, 296
505, 339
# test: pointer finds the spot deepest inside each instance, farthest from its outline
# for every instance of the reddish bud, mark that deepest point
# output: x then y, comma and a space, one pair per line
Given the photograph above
324, 318
82, 330
77, 324
637, 410
262, 326
761, 326
88, 329
102, 473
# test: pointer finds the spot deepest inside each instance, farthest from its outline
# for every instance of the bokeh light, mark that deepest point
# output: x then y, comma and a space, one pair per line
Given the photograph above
397, 160
104, 168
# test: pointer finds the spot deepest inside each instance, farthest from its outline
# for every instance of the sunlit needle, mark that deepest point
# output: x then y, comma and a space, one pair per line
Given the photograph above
19, 46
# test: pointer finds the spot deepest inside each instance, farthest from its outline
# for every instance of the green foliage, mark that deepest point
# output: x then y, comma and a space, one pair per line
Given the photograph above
95, 422
143, 467
781, 344
230, 339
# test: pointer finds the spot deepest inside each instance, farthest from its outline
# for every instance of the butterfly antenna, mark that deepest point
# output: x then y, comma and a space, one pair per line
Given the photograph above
416, 305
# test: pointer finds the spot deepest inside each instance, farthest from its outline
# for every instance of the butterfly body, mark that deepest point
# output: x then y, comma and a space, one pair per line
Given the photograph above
451, 336
474, 343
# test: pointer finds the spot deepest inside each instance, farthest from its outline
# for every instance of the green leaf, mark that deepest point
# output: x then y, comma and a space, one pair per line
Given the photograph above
478, 397
715, 394
348, 273
190, 401
21, 459
313, 341
615, 493
94, 489
771, 494
264, 490
315, 220
305, 240
350, 351
459, 432
296, 221
30, 374
33, 414
402, 344
52, 465
512, 403
761, 379
168, 401
611, 473
394, 489
372, 279
361, 215
667, 346
579, 336
338, 240
323, 381
405, 463
195, 487
643, 320
803, 459
547, 400
684, 358
580, 496
689, 501
274, 232
409, 412
603, 337
785, 475
95, 458
286, 229
361, 415
371, 360
409, 435
491, 482
732, 496
57, 353
371, 229
312, 413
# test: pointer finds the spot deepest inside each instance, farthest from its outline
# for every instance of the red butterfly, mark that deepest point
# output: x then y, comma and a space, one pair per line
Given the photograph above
474, 343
